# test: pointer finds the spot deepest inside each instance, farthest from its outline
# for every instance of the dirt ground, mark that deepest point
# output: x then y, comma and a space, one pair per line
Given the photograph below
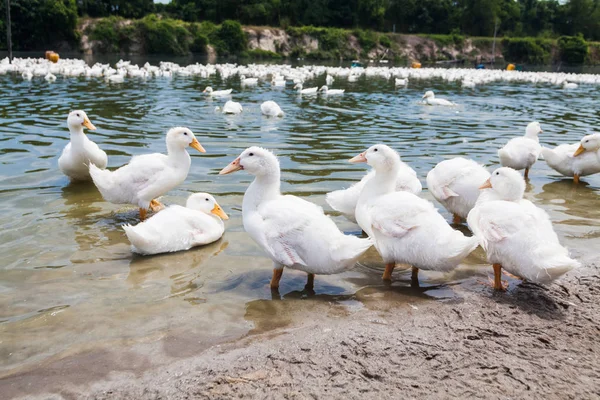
530, 342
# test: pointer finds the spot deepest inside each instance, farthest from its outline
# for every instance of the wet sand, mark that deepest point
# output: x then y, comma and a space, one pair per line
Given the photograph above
530, 342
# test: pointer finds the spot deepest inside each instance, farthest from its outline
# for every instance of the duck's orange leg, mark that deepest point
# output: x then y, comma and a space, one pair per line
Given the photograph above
276, 278
498, 283
387, 274
143, 213
456, 219
576, 178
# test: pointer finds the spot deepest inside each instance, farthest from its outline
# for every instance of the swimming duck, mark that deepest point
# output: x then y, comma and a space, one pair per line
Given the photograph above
312, 90
271, 109
345, 200
577, 159
148, 176
517, 235
80, 151
429, 99
232, 107
400, 82
217, 93
248, 81
405, 228
325, 90
522, 152
294, 232
179, 228
455, 184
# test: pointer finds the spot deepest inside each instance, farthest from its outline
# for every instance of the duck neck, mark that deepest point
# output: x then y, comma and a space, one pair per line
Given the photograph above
265, 187
178, 155
384, 182
78, 138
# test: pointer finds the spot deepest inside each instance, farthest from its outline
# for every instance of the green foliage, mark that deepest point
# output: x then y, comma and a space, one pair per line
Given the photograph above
114, 34
121, 8
262, 54
367, 39
385, 41
229, 38
573, 49
163, 35
527, 50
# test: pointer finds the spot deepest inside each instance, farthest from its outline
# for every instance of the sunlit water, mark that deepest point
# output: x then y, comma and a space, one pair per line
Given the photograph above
70, 285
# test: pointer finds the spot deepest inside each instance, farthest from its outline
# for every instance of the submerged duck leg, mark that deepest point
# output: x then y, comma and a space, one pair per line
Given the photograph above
415, 274
156, 205
576, 178
498, 283
526, 175
310, 282
456, 219
143, 213
387, 274
277, 272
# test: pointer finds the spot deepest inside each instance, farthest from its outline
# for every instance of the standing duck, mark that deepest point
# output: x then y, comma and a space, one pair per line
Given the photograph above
294, 232
517, 235
76, 156
405, 228
455, 184
522, 152
579, 159
148, 176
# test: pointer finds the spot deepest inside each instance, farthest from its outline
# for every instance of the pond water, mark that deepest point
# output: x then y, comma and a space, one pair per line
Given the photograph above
69, 284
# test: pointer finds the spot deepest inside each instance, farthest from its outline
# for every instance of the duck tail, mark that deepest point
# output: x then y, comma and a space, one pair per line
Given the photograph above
460, 248
102, 179
349, 248
139, 243
558, 265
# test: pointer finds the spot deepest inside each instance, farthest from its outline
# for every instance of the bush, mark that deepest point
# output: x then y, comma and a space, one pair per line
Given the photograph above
366, 39
526, 50
385, 41
229, 38
573, 49
260, 53
113, 34
163, 36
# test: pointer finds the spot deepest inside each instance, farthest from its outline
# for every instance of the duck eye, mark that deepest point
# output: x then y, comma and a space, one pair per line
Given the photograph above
207, 199
497, 173
185, 133
374, 149
251, 154
78, 115
587, 140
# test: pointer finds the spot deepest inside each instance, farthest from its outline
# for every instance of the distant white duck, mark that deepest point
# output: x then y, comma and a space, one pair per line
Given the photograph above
217, 93
115, 78
293, 232
345, 200
401, 81
179, 228
429, 98
232, 107
312, 90
325, 90
576, 160
50, 77
248, 81
77, 155
569, 85
467, 83
278, 81
455, 184
148, 176
271, 109
329, 80
517, 235
27, 75
522, 152
406, 228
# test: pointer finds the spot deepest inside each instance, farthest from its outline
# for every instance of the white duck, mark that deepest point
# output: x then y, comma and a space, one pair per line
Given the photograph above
329, 80
569, 85
345, 200
77, 155
405, 228
232, 107
517, 235
325, 90
429, 99
148, 176
577, 159
248, 81
455, 184
271, 109
522, 152
300, 90
179, 228
50, 77
217, 93
401, 82
293, 232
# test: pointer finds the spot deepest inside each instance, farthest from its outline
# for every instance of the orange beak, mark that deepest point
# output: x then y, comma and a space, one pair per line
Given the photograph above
196, 145
486, 185
88, 124
232, 167
580, 150
218, 211
358, 159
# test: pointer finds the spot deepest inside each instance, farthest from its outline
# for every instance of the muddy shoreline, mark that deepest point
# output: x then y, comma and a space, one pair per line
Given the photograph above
530, 342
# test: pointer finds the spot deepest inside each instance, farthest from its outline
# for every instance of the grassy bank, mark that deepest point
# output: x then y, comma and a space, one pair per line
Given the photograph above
156, 35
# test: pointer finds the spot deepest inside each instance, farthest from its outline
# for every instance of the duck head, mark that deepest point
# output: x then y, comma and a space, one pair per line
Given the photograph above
255, 160
588, 143
181, 137
298, 86
324, 89
208, 90
379, 156
78, 119
207, 204
533, 129
428, 95
507, 184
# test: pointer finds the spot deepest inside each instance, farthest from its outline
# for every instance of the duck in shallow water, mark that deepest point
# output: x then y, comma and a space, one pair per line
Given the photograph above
576, 160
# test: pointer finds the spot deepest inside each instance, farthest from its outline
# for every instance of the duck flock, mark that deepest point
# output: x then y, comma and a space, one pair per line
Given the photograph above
404, 228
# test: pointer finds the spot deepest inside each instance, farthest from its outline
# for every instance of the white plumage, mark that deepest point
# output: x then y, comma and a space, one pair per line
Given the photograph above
325, 90
579, 159
455, 184
300, 90
515, 233
217, 93
271, 109
405, 228
430, 99
522, 152
77, 155
179, 228
293, 232
232, 107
